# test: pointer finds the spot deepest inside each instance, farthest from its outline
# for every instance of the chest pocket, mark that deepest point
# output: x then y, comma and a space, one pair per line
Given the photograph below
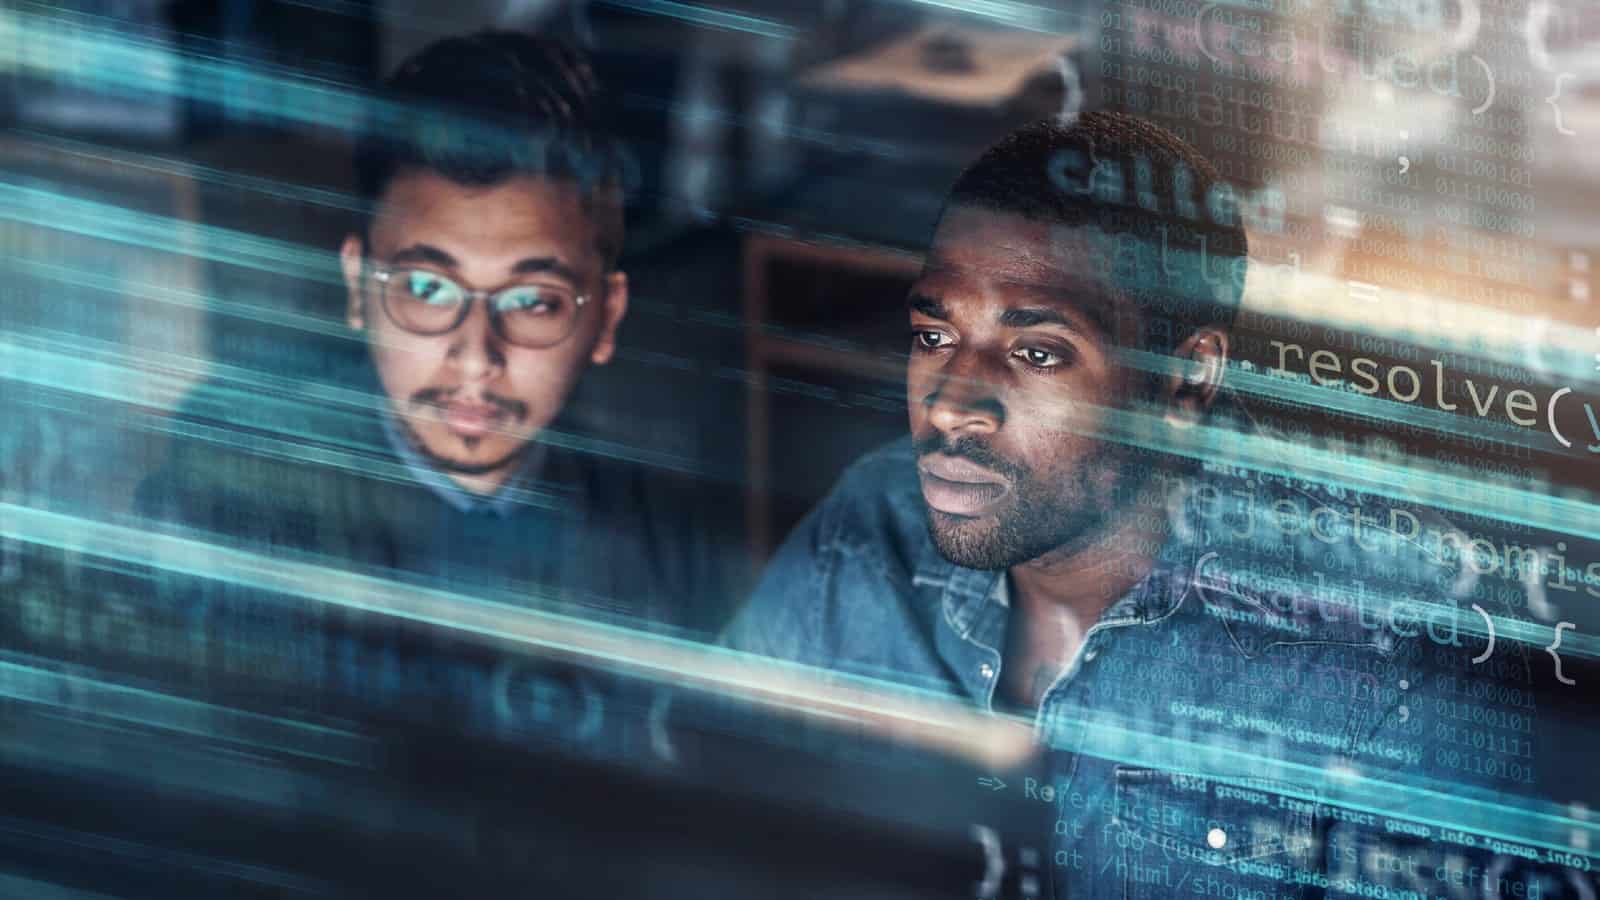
1241, 838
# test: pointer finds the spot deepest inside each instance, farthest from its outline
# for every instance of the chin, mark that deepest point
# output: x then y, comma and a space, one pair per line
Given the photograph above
970, 543
447, 453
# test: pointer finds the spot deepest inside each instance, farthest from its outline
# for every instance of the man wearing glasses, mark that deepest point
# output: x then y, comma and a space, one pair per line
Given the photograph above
485, 286
483, 281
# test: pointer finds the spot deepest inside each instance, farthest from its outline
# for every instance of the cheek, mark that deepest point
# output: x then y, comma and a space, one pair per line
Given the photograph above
406, 362
1064, 407
542, 378
915, 411
1060, 428
1058, 462
918, 385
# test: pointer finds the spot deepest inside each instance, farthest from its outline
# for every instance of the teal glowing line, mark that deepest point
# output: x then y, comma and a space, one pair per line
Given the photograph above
839, 141
35, 206
193, 171
129, 288
18, 886
76, 51
1025, 16
710, 17
103, 699
172, 859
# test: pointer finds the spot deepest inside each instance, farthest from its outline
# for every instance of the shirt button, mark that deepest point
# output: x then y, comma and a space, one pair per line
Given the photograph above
1089, 655
986, 670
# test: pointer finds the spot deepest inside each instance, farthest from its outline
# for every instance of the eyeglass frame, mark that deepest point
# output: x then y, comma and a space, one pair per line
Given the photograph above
382, 274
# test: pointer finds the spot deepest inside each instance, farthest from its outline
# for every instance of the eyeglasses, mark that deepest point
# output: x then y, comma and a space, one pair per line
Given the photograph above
527, 315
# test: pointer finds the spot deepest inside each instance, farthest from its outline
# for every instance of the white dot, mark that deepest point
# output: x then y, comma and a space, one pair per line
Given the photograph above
1216, 837
1405, 685
986, 670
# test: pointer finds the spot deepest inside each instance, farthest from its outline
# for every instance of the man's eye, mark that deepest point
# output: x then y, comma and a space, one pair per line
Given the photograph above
1039, 358
932, 340
432, 288
530, 300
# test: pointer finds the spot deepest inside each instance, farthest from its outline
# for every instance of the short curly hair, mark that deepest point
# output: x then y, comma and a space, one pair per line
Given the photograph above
482, 108
1127, 177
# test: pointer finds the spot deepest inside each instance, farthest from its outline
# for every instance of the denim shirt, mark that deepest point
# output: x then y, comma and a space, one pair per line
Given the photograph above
1210, 736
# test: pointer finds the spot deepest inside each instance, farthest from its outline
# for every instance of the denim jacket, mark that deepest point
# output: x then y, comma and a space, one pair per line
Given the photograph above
1235, 726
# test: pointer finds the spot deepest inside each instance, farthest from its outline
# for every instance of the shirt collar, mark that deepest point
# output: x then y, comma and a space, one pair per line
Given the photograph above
500, 503
967, 593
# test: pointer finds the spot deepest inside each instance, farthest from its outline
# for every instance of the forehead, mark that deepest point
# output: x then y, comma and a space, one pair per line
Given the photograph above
984, 257
1011, 247
505, 218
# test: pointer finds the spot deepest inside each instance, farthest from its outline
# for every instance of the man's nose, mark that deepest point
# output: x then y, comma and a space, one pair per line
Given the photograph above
964, 400
475, 348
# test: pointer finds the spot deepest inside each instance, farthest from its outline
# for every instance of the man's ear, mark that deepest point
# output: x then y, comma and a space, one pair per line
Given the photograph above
1202, 360
351, 253
615, 307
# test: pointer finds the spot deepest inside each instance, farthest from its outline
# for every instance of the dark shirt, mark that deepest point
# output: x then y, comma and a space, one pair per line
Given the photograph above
317, 478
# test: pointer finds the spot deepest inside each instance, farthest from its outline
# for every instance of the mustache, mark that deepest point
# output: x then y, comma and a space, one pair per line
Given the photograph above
972, 449
441, 397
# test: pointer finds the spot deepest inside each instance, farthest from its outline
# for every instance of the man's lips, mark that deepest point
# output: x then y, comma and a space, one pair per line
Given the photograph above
959, 487
472, 419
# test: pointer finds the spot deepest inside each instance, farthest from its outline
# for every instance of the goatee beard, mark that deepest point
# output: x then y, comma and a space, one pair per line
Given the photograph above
1035, 520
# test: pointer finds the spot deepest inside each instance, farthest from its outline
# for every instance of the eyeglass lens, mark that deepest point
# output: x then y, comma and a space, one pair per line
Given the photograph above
532, 315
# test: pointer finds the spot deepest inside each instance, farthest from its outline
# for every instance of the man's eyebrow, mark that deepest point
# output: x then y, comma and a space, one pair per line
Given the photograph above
928, 306
536, 265
424, 253
1035, 315
1026, 317
533, 265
